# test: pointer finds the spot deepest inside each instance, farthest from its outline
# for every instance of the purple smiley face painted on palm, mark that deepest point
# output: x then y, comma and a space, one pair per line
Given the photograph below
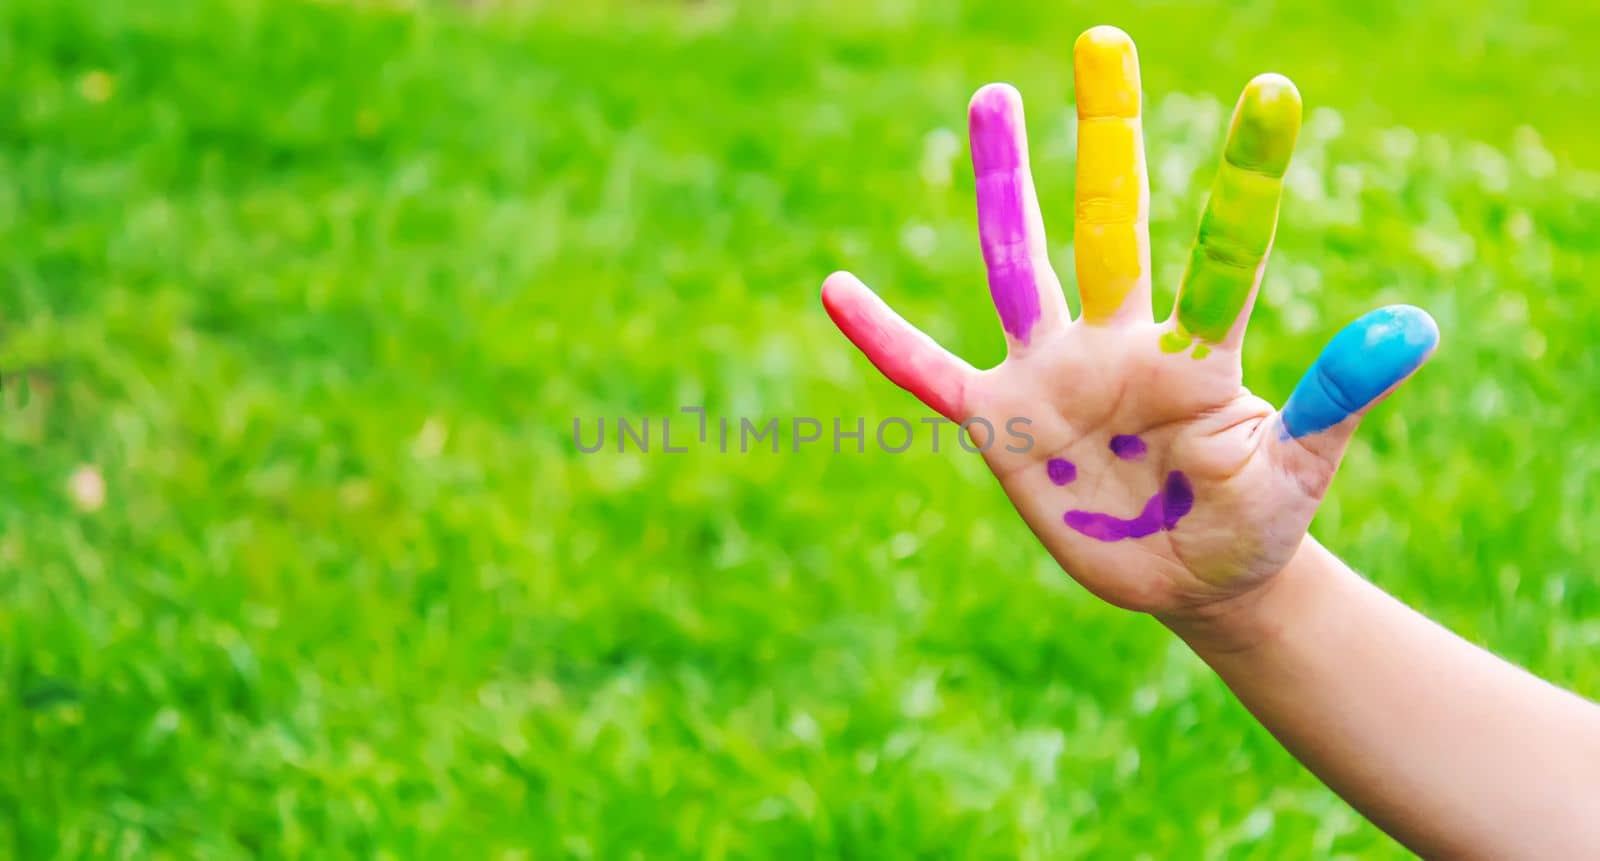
1161, 512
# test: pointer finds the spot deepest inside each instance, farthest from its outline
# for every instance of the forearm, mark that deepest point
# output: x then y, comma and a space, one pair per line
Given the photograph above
1453, 751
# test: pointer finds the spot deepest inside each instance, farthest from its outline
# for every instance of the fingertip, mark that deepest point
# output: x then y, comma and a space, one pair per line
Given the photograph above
840, 290
1397, 337
994, 125
1106, 66
1102, 39
1273, 88
994, 101
837, 281
1413, 325
1266, 124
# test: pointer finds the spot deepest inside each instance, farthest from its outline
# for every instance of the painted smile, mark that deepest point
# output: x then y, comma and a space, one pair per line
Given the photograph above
1161, 512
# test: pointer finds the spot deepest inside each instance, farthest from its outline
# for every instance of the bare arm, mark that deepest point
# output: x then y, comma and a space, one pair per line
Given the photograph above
1453, 751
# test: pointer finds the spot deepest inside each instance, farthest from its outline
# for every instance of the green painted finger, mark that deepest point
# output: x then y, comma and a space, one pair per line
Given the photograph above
1236, 231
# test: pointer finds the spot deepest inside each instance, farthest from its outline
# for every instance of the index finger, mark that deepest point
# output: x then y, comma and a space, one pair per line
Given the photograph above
1241, 217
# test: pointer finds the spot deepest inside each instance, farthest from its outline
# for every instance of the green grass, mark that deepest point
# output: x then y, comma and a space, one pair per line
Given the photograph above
319, 288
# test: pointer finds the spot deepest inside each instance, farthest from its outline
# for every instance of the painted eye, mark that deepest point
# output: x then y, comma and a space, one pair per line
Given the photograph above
1161, 512
1061, 471
1128, 447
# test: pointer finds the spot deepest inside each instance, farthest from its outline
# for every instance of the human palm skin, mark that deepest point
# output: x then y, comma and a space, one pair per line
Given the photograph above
1154, 478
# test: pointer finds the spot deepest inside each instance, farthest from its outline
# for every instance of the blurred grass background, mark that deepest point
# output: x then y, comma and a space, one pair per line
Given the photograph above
298, 302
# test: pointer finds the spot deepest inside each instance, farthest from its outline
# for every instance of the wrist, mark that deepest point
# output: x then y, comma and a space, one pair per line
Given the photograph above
1251, 619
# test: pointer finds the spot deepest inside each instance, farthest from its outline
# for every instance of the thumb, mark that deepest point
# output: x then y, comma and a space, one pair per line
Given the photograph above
1361, 366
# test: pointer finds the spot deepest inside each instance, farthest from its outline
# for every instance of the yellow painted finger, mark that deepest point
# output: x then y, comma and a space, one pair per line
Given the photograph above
1112, 238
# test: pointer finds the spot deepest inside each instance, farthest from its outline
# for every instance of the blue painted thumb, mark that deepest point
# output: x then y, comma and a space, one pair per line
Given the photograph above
1363, 362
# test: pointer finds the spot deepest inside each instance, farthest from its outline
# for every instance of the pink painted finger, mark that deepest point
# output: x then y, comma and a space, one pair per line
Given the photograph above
1025, 289
907, 356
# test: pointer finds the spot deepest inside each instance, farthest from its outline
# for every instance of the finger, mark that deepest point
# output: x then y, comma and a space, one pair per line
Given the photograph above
1111, 243
1236, 230
1025, 290
1366, 361
901, 351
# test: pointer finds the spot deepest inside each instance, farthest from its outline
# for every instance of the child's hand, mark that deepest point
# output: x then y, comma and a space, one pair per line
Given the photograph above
1155, 478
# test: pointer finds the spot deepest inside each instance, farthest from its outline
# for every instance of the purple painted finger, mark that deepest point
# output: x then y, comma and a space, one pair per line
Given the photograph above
1025, 290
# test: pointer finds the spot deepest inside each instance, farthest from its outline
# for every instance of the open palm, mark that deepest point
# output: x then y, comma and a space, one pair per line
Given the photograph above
1144, 466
